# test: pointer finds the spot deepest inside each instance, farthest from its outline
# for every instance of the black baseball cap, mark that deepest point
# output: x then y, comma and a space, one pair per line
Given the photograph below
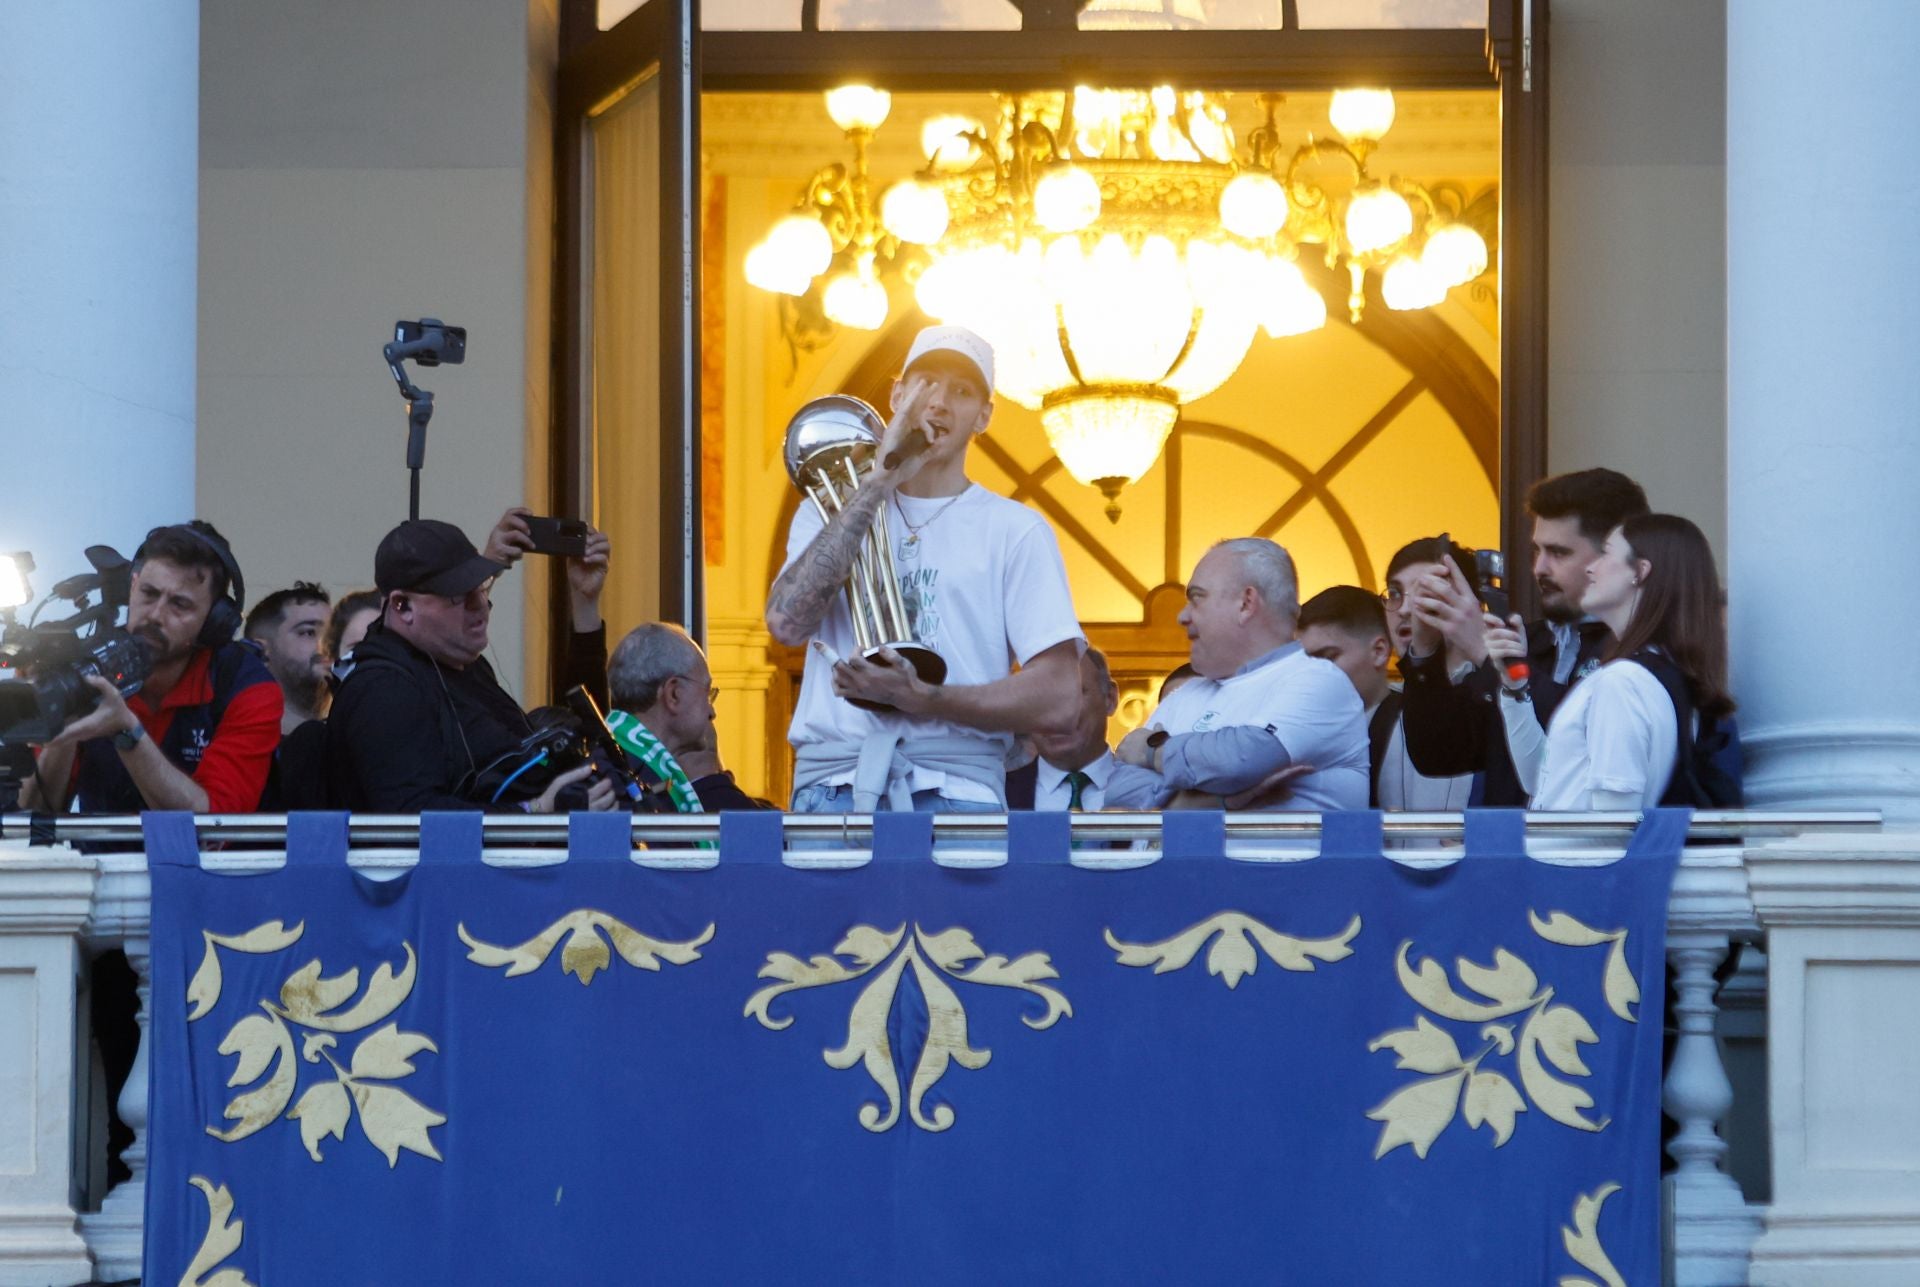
432, 557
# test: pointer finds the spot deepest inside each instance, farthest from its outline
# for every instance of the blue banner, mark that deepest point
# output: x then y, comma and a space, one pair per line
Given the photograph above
1334, 1071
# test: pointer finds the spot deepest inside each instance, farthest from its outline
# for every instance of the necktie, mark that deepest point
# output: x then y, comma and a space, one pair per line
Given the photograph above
1076, 783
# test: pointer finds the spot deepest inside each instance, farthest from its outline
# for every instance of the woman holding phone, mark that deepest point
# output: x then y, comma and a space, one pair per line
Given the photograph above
1614, 740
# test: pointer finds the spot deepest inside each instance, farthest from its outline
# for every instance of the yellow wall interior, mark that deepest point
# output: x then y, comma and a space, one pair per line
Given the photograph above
1304, 396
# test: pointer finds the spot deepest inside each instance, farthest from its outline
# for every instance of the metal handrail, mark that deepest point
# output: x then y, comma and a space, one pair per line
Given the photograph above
499, 830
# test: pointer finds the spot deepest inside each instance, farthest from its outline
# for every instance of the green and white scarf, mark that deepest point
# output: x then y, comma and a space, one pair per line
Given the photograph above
638, 741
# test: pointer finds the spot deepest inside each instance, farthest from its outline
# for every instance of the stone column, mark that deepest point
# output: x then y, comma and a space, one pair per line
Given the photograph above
1822, 449
1842, 916
99, 198
44, 899
123, 918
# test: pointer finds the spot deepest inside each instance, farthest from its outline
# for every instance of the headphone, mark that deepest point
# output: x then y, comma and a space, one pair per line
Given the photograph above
224, 618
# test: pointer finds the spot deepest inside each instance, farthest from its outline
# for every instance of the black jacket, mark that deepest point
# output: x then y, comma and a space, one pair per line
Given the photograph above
403, 732
718, 792
1457, 728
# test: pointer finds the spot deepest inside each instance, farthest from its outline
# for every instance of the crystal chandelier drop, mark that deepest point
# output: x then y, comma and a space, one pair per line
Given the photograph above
1115, 247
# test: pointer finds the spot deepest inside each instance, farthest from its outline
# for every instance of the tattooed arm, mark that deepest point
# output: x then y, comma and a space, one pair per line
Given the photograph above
799, 600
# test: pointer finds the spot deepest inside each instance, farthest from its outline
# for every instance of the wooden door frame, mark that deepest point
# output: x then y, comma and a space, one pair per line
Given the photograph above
1510, 56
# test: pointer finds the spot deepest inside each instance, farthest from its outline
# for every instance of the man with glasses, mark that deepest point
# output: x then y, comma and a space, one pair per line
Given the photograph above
663, 715
420, 721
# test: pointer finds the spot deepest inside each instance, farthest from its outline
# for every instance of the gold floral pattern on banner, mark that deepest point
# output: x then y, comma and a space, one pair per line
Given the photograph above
1551, 1036
222, 1240
263, 1044
933, 958
1582, 1240
585, 953
1232, 956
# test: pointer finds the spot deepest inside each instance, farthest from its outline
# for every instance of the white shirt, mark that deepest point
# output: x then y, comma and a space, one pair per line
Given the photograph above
1308, 703
1402, 786
1613, 735
984, 586
1051, 790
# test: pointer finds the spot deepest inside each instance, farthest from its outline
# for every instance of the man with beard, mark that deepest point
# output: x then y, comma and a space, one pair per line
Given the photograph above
286, 626
201, 732
1452, 718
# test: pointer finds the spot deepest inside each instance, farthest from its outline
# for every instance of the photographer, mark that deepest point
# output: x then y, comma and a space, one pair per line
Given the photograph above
420, 722
1452, 718
201, 732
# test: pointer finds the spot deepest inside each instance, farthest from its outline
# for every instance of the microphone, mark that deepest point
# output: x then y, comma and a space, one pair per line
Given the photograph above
915, 443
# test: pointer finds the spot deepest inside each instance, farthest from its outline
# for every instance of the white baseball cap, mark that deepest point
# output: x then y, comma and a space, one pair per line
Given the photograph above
957, 340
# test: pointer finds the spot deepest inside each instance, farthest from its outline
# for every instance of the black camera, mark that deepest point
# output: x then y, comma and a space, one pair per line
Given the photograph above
561, 741
1492, 568
58, 656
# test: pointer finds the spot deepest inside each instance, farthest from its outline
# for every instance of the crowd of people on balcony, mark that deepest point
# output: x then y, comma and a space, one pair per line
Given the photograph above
386, 702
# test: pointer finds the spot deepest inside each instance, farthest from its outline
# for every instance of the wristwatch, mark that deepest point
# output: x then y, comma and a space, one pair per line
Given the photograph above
128, 738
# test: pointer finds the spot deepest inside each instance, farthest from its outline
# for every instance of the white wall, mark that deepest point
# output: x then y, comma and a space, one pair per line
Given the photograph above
1637, 321
364, 161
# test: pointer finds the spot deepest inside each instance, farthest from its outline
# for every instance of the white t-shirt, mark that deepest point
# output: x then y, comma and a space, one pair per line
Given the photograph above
1308, 703
984, 586
1614, 731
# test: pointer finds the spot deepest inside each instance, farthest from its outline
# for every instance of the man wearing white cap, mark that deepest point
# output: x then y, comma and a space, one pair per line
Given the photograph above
984, 586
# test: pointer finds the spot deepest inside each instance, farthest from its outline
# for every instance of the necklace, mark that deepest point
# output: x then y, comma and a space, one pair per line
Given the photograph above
914, 529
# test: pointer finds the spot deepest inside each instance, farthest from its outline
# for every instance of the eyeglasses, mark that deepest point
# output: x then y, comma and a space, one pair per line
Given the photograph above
713, 693
1394, 597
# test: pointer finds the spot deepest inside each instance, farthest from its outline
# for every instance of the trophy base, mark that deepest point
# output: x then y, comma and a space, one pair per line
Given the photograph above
929, 665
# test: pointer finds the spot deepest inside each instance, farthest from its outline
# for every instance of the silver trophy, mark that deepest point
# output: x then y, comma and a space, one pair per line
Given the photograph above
830, 447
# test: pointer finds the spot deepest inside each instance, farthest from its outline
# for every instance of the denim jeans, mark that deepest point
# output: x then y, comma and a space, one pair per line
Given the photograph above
821, 798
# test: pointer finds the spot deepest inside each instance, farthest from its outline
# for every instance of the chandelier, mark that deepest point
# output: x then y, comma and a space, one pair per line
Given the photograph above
1116, 247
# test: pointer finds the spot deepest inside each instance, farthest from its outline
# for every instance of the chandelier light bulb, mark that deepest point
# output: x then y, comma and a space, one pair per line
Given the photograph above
1377, 216
856, 300
767, 269
914, 211
1409, 283
944, 142
1455, 254
859, 107
1067, 199
803, 245
1254, 205
1362, 114
1291, 306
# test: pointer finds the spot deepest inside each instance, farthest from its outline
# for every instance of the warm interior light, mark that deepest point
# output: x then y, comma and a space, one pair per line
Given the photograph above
944, 142
914, 211
1362, 113
15, 589
1254, 205
803, 244
767, 270
1455, 253
858, 107
1066, 199
856, 299
1377, 216
1101, 438
1289, 306
1410, 283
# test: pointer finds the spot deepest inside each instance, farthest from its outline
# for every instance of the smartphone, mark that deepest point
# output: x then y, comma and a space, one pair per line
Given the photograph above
566, 537
452, 348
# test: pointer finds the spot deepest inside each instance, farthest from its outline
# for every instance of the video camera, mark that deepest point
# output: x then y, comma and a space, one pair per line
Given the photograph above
55, 658
562, 740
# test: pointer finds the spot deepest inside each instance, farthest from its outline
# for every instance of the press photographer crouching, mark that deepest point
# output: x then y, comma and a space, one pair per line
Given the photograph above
420, 721
201, 731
